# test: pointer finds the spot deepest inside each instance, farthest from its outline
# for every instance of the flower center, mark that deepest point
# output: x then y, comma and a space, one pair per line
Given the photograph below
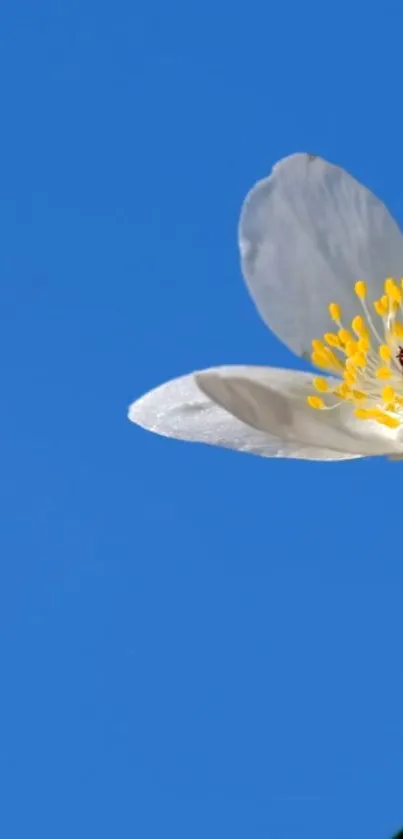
367, 357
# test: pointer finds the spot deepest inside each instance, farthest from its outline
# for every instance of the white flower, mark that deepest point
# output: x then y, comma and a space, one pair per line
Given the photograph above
321, 257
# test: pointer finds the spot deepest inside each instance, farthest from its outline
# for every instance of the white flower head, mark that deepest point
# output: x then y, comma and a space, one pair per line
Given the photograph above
321, 256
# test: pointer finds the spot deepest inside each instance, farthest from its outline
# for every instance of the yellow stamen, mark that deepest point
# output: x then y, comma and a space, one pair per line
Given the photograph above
393, 291
360, 289
372, 389
397, 329
367, 413
335, 312
386, 419
321, 384
380, 307
349, 378
359, 360
345, 336
332, 339
384, 352
332, 359
315, 402
378, 416
343, 391
364, 344
359, 326
388, 394
351, 348
319, 360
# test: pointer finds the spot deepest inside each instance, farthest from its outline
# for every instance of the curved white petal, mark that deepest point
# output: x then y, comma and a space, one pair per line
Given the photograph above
180, 409
274, 402
307, 233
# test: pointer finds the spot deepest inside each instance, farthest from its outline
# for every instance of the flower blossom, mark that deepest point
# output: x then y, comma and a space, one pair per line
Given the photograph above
322, 258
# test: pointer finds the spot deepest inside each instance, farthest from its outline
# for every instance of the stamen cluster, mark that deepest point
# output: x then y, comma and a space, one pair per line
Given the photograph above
367, 357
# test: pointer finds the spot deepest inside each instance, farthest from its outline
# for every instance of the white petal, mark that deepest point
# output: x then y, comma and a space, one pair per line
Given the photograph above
307, 233
180, 409
274, 402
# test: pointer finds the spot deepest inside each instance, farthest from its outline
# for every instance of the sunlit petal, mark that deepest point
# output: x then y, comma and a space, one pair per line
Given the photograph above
180, 409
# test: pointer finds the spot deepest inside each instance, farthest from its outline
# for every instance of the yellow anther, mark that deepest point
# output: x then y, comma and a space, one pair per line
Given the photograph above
321, 384
318, 346
384, 352
345, 336
349, 378
378, 416
380, 307
332, 359
343, 391
359, 326
319, 360
397, 329
332, 339
383, 373
315, 402
392, 290
359, 360
364, 345
358, 394
351, 348
388, 394
386, 419
366, 414
335, 312
360, 289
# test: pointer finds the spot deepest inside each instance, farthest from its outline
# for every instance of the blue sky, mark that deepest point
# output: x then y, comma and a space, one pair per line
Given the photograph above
193, 642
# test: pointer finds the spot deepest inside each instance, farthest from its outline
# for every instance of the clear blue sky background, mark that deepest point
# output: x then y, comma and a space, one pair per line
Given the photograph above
193, 643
